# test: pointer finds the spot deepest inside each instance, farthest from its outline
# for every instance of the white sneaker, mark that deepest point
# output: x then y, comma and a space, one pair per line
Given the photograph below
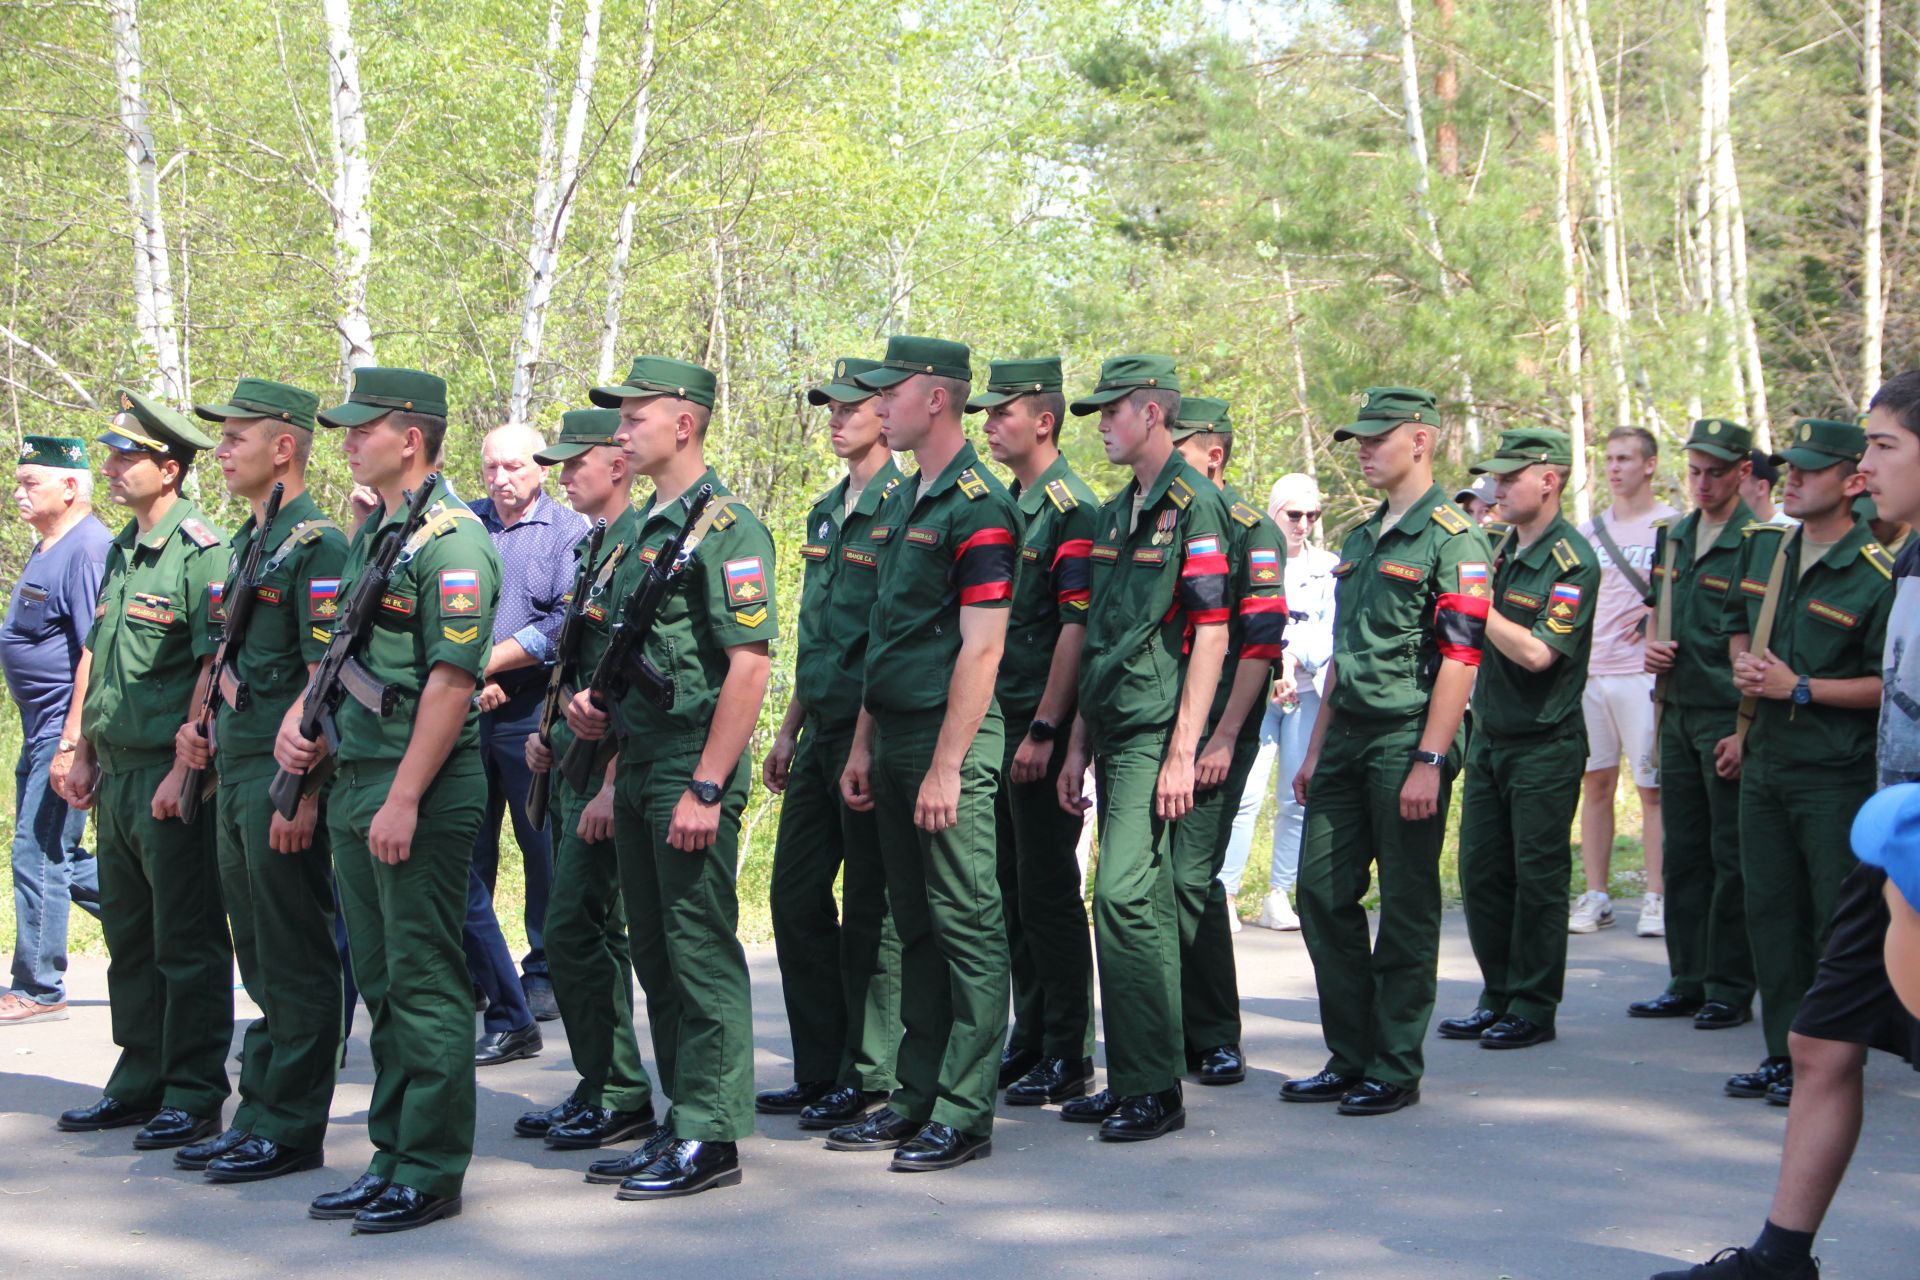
1653, 916
1233, 915
1277, 913
1592, 910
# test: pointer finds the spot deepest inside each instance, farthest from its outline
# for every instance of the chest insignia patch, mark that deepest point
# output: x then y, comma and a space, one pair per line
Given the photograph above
1406, 572
1106, 555
1473, 581
860, 556
1150, 555
1523, 599
267, 595
746, 581
826, 530
459, 592
1030, 553
399, 604
1264, 564
1839, 617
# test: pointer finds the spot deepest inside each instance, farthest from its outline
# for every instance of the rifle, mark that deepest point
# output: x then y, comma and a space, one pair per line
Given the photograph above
563, 652
623, 665
197, 785
1664, 556
340, 673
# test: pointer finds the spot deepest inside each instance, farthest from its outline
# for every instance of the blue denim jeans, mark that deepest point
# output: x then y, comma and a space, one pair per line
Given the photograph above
50, 870
1284, 737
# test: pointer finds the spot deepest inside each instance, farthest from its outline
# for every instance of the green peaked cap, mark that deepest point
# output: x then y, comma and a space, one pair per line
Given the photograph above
908, 356
68, 452
1388, 407
377, 392
841, 387
1819, 443
259, 398
1124, 375
144, 423
580, 430
1720, 438
658, 376
1011, 379
1522, 447
1202, 415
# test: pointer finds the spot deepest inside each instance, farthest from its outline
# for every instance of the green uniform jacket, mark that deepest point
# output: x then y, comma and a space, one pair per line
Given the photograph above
1550, 588
724, 599
1052, 587
438, 607
296, 604
1404, 599
1830, 624
148, 635
841, 579
596, 615
1258, 555
1153, 583
1702, 674
950, 549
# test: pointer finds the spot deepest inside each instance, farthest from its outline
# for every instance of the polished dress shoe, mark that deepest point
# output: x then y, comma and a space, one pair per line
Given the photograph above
401, 1208
793, 1099
1718, 1015
104, 1114
1665, 1005
682, 1168
195, 1155
540, 1001
1780, 1092
258, 1159
613, 1170
1378, 1098
537, 1124
1469, 1027
351, 1200
842, 1106
600, 1127
939, 1146
1052, 1080
172, 1127
882, 1131
1015, 1063
497, 1047
1324, 1086
1754, 1084
1145, 1116
1223, 1064
1094, 1108
1515, 1032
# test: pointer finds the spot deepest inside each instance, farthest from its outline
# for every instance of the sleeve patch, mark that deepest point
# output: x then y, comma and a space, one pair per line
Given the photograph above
461, 635
750, 617
746, 581
1264, 565
1473, 580
217, 601
1564, 601
459, 592
320, 633
323, 598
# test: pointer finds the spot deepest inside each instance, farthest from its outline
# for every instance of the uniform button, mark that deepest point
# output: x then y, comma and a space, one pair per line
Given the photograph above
939, 630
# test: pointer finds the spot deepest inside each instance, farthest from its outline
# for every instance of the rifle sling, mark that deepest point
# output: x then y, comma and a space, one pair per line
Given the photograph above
1763, 626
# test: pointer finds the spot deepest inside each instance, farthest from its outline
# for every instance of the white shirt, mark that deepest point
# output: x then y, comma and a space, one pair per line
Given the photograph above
1310, 584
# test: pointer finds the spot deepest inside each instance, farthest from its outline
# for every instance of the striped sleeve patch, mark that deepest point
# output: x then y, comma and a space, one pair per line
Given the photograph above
1073, 573
983, 566
1203, 581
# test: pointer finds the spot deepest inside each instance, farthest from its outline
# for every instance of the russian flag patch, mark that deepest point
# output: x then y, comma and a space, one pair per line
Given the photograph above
746, 581
459, 591
1207, 545
323, 598
1564, 601
1265, 565
1473, 581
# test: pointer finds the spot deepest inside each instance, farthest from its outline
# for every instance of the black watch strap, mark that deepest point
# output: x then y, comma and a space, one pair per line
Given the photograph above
1427, 757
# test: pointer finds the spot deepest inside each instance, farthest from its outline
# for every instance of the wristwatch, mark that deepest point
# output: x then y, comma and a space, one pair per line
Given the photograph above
1042, 730
1427, 757
705, 792
65, 745
1802, 691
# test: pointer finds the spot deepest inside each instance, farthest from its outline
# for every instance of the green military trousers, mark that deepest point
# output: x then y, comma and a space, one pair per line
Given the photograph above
1794, 820
682, 918
1209, 983
403, 929
281, 908
839, 968
953, 941
1050, 951
1136, 931
170, 965
1374, 1004
1516, 853
1707, 949
588, 956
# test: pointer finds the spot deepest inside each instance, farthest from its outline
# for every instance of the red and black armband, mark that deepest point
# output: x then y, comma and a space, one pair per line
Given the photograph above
983, 566
1204, 594
1073, 573
1263, 626
1460, 626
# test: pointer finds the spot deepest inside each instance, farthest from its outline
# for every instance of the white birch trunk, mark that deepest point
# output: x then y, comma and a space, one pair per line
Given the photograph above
1702, 240
1299, 370
1872, 284
1597, 129
543, 180
1569, 259
623, 235
352, 189
152, 265
1746, 338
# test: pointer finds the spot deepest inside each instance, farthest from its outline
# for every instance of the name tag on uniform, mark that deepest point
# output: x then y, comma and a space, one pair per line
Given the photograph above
1403, 572
813, 551
923, 537
1030, 553
1150, 555
856, 555
1522, 599
881, 532
1106, 555
396, 604
1838, 617
1715, 583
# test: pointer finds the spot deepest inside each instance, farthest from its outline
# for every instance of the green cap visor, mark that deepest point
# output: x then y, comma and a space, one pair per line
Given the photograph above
1819, 443
259, 398
1124, 375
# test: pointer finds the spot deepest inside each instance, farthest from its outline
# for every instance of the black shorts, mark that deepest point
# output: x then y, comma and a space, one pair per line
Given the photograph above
1851, 1000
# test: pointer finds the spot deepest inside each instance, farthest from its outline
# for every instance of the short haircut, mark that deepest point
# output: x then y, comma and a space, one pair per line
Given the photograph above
1562, 470
959, 390
432, 429
1649, 447
1168, 400
1900, 396
1226, 447
1053, 402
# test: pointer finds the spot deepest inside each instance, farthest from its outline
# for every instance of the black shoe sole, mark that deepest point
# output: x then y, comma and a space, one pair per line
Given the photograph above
627, 1133
1446, 1034
1410, 1100
451, 1209
1519, 1044
1728, 1025
136, 1119
1774, 1100
1055, 1096
1172, 1124
1311, 1097
779, 1108
1237, 1077
516, 1056
1680, 1012
725, 1178
312, 1160
169, 1144
818, 1125
338, 1215
1733, 1092
1075, 1117
884, 1145
980, 1152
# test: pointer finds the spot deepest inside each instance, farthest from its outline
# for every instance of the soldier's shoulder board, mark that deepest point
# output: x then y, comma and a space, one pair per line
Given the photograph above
1061, 497
1496, 530
971, 484
1565, 556
1448, 517
1761, 526
893, 482
1181, 492
1245, 514
1879, 557
197, 531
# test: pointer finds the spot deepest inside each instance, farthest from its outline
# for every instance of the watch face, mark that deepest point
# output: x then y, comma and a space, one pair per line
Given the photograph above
707, 792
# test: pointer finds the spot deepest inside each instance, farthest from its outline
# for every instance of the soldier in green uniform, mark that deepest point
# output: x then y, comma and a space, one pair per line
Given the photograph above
403, 881
142, 671
1049, 1053
586, 928
1257, 558
1529, 746
1411, 600
682, 783
1813, 679
926, 758
839, 970
276, 875
1699, 756
1156, 644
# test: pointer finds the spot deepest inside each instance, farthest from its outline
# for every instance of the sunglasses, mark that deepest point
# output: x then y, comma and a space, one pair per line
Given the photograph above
1308, 516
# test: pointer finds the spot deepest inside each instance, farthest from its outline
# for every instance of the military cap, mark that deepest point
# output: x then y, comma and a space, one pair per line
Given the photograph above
1524, 447
258, 398
1202, 415
580, 430
1011, 379
1720, 438
68, 452
908, 355
377, 392
144, 424
658, 376
841, 388
1388, 407
1124, 375
1819, 443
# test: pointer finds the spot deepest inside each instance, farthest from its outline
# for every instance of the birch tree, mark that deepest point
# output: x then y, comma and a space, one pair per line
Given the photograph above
1596, 131
623, 233
1563, 216
152, 264
351, 189
1872, 285
1730, 223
